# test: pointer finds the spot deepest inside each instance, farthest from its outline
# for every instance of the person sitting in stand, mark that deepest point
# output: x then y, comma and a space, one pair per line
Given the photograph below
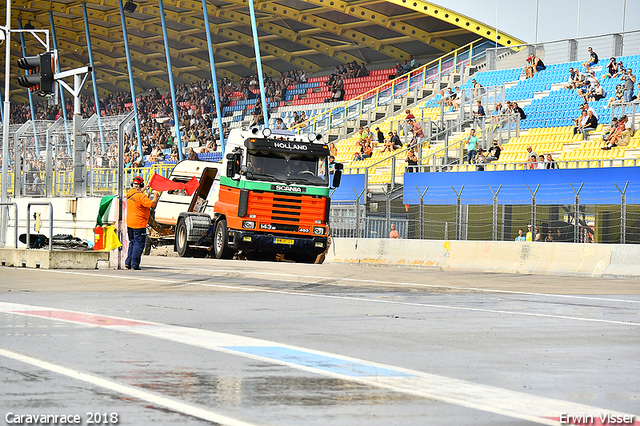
593, 59
480, 160
612, 69
550, 163
494, 152
368, 151
535, 65
478, 89
388, 143
411, 160
589, 126
597, 93
621, 136
541, 162
397, 143
611, 129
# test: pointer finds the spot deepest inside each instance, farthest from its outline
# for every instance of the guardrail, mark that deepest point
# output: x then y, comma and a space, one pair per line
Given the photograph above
400, 86
15, 210
40, 203
490, 127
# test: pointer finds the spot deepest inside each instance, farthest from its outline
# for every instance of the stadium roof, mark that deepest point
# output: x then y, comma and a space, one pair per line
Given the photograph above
313, 35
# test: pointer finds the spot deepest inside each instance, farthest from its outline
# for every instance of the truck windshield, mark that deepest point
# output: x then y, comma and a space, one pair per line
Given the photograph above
276, 167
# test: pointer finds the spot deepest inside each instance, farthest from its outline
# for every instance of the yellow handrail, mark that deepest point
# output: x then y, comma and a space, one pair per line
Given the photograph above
391, 84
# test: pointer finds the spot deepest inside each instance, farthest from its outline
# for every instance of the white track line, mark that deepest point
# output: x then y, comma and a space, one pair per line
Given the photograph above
356, 299
190, 410
396, 283
458, 392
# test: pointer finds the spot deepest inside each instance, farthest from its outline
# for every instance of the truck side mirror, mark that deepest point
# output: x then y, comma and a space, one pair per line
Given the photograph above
337, 175
233, 164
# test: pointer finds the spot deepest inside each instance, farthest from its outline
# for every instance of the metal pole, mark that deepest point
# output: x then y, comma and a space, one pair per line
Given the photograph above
33, 111
576, 224
458, 211
214, 79
79, 147
63, 101
96, 100
623, 213
256, 46
393, 172
422, 194
171, 85
358, 196
388, 215
120, 192
133, 89
533, 210
495, 212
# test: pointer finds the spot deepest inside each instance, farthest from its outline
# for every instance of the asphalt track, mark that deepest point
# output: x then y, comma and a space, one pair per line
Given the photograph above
199, 341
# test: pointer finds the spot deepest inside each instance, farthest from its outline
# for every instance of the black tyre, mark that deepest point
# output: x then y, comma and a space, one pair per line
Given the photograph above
303, 258
147, 246
182, 240
220, 248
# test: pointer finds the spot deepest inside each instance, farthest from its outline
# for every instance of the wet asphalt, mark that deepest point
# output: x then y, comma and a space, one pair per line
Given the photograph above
574, 340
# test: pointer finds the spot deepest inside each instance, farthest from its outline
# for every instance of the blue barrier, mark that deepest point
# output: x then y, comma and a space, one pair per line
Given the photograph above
555, 186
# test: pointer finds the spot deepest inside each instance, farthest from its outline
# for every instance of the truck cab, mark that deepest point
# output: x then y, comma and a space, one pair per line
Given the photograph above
270, 195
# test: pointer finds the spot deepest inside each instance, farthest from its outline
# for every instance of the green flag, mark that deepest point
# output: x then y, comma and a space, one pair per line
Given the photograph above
103, 211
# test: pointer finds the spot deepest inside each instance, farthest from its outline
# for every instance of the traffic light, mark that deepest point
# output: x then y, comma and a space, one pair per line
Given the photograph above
40, 79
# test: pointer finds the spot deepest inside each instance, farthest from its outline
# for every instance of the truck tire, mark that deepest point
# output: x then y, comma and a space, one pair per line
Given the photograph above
147, 246
220, 248
182, 240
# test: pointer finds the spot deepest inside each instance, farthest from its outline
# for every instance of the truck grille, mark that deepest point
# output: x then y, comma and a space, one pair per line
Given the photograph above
287, 208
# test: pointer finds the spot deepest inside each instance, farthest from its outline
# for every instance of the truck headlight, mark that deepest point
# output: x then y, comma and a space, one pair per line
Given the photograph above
248, 224
319, 231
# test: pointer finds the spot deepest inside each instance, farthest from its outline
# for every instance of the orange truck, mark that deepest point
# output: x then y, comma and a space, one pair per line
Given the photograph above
270, 195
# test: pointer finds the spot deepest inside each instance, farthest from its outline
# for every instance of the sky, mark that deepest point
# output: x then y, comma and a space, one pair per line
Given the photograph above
557, 19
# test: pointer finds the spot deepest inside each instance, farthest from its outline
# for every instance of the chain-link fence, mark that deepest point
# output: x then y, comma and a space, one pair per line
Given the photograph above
599, 218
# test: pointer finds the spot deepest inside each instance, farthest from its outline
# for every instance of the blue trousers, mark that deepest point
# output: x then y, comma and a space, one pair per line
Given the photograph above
471, 156
137, 240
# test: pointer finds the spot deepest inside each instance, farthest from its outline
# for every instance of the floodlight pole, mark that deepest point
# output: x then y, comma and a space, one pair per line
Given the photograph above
214, 79
7, 113
256, 45
5, 127
93, 75
172, 86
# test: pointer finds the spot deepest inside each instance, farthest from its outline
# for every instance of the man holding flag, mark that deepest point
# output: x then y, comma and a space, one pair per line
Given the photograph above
138, 209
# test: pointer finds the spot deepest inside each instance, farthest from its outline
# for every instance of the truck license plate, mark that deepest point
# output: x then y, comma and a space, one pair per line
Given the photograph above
284, 241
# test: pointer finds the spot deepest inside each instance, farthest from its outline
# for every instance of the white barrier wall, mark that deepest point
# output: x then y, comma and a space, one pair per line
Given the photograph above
594, 260
79, 225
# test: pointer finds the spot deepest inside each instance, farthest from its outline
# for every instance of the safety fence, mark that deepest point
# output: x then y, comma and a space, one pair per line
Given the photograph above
103, 181
568, 218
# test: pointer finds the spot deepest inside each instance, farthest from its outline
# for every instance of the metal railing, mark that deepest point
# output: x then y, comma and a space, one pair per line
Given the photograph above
5, 224
488, 128
40, 203
566, 50
576, 218
102, 181
398, 87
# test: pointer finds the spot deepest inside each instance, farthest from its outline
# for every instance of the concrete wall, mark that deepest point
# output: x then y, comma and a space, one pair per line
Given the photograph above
595, 260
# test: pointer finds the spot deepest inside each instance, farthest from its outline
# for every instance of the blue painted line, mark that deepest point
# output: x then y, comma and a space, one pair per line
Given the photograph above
320, 362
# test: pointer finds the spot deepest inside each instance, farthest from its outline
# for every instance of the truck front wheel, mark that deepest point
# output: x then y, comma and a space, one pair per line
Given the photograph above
182, 240
220, 248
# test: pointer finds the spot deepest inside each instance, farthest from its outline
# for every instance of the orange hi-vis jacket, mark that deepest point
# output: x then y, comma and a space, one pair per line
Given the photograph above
138, 209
